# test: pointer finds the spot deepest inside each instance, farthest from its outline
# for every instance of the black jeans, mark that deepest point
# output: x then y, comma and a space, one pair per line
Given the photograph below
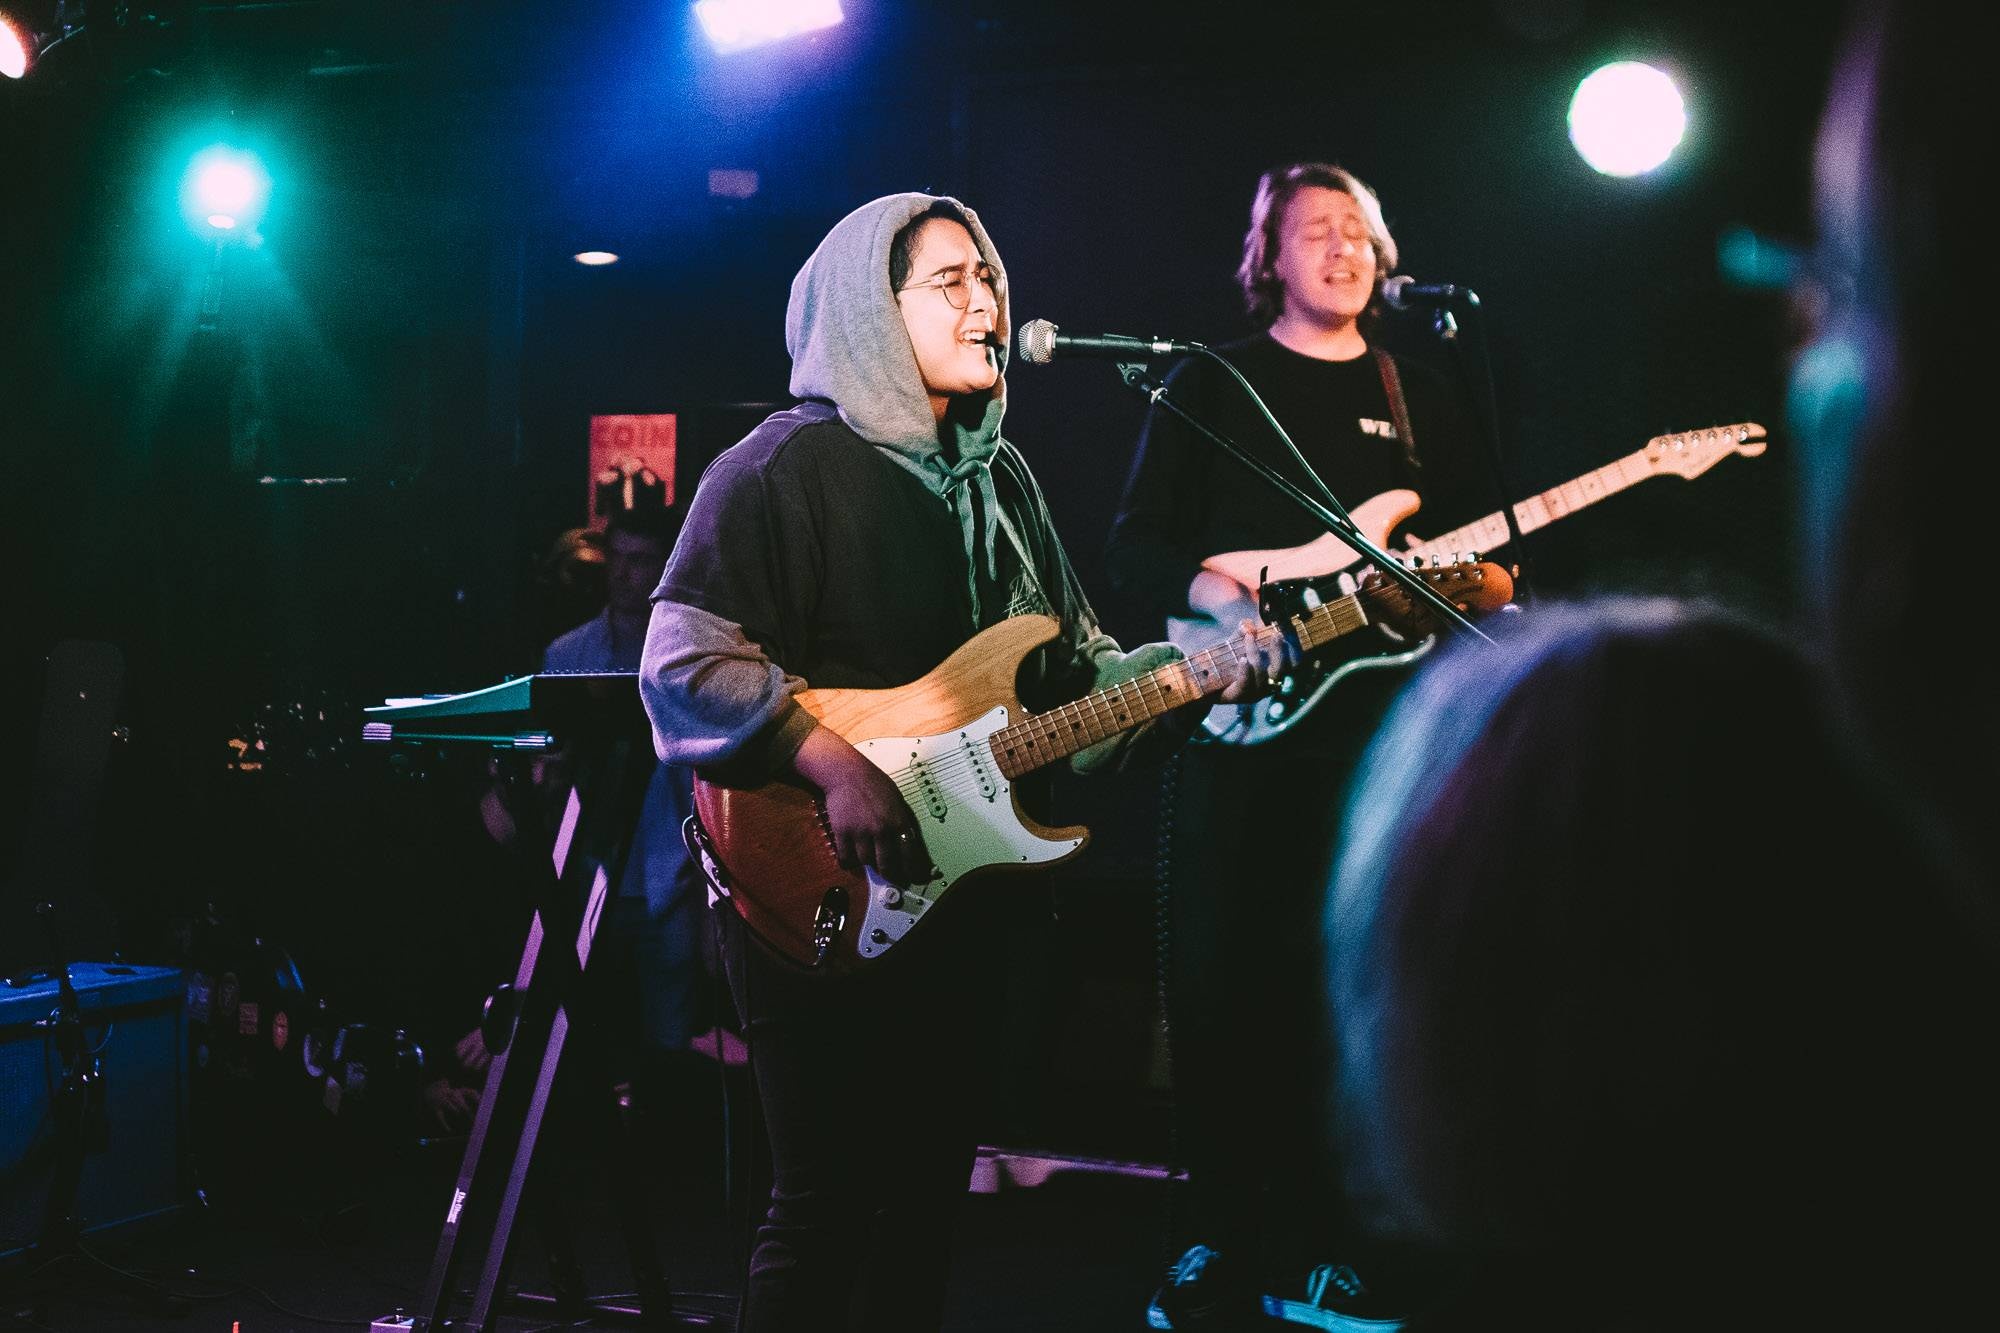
870, 1086
1252, 841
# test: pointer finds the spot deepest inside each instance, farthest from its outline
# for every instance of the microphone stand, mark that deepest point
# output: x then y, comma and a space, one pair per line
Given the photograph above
1335, 520
1446, 327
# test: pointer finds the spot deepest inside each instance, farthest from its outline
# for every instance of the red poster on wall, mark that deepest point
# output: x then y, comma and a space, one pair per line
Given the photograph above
631, 463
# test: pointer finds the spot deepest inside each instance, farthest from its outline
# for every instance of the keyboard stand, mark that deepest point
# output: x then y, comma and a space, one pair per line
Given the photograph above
613, 755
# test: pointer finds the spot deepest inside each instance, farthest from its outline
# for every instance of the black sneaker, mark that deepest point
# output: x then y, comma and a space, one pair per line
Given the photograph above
1197, 1294
1336, 1299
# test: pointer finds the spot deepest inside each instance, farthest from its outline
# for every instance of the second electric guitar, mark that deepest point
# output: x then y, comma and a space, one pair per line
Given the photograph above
1686, 455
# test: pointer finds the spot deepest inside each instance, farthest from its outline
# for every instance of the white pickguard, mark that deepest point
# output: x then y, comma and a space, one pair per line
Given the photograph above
965, 807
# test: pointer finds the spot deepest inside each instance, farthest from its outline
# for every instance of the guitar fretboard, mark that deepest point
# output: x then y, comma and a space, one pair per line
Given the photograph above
1043, 738
1538, 511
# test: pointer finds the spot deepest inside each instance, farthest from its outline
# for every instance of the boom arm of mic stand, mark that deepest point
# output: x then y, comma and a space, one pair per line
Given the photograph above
1339, 524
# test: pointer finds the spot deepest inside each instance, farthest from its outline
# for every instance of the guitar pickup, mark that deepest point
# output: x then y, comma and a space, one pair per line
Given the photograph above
976, 754
928, 789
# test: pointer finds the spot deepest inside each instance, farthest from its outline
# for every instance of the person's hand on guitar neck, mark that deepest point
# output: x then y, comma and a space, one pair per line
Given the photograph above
1259, 655
871, 823
1219, 598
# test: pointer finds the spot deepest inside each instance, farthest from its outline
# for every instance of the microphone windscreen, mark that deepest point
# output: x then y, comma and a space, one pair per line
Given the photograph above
1037, 341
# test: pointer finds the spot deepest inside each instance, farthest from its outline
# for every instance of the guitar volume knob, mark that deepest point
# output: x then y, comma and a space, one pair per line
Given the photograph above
890, 896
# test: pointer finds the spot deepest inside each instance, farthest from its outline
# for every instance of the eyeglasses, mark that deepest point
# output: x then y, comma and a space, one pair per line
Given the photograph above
956, 285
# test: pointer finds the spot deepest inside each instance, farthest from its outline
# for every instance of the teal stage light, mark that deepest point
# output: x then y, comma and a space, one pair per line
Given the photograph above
224, 192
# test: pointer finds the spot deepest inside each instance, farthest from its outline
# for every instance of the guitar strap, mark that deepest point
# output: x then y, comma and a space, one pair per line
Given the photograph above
1399, 411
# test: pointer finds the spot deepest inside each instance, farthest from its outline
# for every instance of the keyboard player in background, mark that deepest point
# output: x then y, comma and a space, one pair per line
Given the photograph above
649, 961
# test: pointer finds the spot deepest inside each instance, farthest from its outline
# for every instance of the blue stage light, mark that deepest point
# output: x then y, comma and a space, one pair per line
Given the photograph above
738, 25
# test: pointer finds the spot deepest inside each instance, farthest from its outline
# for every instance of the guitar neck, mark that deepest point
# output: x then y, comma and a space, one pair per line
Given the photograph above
1538, 511
1044, 738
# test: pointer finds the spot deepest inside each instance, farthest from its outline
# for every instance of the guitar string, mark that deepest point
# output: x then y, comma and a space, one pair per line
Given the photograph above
1567, 498
1033, 733
1113, 710
1041, 735
1044, 731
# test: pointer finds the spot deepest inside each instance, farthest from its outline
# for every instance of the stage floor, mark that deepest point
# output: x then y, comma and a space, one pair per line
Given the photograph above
1077, 1252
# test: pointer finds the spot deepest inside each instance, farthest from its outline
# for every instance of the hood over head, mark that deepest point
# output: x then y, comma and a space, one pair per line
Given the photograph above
849, 347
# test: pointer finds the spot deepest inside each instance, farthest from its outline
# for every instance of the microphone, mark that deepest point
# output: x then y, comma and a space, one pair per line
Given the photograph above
1039, 342
1405, 293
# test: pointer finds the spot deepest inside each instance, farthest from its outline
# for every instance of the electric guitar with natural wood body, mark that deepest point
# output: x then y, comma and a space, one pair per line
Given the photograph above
955, 741
1686, 455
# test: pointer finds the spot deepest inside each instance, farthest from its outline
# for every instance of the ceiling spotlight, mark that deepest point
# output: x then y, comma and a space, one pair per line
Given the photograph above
125, 38
595, 258
738, 25
1626, 119
13, 49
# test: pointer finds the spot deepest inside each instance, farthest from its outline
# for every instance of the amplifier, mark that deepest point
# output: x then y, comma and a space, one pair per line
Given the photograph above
133, 1019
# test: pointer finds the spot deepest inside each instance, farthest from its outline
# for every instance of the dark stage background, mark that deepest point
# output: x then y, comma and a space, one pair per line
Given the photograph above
413, 325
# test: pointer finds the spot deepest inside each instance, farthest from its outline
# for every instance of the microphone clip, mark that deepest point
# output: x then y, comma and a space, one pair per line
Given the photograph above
1138, 375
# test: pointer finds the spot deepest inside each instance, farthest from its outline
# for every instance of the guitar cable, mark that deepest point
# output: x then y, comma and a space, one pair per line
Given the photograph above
722, 1002
744, 1017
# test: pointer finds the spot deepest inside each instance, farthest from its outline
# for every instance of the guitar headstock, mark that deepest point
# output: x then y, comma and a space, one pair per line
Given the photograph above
1693, 452
1476, 586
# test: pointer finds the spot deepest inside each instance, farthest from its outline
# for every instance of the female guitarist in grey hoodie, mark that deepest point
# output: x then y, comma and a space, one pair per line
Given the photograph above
855, 541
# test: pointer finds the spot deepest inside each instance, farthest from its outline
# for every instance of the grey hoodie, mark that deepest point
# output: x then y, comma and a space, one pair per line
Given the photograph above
842, 330
717, 697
